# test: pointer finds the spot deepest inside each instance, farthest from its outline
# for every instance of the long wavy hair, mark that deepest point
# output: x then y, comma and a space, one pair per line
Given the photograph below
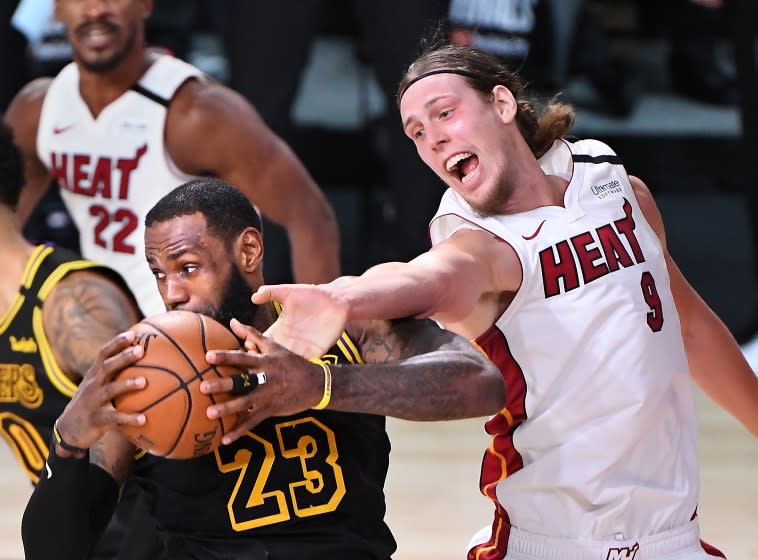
539, 125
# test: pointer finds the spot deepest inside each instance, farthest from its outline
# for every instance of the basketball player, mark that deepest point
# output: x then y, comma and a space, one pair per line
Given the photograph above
121, 126
56, 311
305, 483
554, 260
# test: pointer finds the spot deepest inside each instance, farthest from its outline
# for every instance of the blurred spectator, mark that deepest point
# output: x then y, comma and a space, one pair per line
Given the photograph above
14, 65
547, 42
699, 64
268, 44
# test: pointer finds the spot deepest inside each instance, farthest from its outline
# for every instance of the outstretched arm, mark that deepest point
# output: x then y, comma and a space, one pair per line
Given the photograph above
212, 130
715, 360
414, 370
445, 283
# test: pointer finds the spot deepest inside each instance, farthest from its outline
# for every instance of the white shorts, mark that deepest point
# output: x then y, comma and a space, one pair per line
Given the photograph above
682, 543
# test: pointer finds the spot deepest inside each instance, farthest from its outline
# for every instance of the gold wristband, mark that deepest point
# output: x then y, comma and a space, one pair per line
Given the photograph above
324, 402
64, 444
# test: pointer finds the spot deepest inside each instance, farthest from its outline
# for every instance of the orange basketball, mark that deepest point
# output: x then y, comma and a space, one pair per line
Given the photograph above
175, 344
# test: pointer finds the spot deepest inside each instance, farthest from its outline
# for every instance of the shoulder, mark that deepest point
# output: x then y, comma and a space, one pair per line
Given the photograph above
82, 312
24, 111
203, 102
648, 206
91, 290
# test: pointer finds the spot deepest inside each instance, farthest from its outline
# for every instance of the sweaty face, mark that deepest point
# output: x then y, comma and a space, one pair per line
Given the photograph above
102, 33
460, 135
194, 271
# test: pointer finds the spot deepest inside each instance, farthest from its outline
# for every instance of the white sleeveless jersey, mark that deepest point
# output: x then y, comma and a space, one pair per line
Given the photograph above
113, 169
598, 436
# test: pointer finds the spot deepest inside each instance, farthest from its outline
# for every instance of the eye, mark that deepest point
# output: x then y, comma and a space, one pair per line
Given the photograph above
189, 268
418, 134
159, 274
445, 113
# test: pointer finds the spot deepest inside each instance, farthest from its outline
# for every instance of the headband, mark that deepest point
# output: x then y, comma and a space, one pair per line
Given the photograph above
466, 73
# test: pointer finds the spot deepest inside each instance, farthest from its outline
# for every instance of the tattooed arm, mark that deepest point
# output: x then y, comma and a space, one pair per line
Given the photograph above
417, 371
83, 312
414, 370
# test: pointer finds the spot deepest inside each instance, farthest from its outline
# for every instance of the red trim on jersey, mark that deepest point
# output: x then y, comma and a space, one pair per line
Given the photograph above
712, 550
501, 458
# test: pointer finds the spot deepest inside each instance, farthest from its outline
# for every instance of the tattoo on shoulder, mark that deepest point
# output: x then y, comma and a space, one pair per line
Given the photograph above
80, 315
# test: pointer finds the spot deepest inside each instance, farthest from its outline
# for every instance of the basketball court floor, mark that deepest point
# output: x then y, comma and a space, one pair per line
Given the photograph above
434, 505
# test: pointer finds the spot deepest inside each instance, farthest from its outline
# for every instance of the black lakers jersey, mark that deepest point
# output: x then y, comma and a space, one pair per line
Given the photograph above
308, 486
33, 389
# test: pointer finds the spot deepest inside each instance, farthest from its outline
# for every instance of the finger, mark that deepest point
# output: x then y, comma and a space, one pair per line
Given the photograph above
241, 405
236, 358
121, 361
250, 421
116, 388
116, 345
213, 386
254, 340
128, 418
264, 294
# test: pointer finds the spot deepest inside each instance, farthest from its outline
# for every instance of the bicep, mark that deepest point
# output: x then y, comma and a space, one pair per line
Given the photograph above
467, 266
83, 312
239, 148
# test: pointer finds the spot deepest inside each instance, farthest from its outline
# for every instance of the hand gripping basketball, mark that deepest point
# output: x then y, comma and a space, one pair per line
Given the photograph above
176, 425
293, 384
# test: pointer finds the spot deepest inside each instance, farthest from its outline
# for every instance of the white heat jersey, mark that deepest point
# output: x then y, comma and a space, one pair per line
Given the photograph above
113, 169
597, 440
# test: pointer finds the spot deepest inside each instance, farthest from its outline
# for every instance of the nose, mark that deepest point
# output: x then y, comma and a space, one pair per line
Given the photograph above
96, 8
174, 293
437, 137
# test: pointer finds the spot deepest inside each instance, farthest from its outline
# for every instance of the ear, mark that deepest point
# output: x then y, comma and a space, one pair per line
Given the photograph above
248, 250
505, 103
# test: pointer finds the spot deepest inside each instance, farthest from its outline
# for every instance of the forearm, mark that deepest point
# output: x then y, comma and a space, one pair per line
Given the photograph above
387, 291
721, 371
57, 522
315, 246
445, 385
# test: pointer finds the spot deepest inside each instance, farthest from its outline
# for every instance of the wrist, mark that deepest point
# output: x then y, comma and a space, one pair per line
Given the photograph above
63, 448
327, 384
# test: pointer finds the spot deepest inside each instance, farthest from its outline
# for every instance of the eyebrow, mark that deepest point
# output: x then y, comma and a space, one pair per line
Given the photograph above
428, 104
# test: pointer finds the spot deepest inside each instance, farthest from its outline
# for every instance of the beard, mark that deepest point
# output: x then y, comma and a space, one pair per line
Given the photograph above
235, 302
105, 65
493, 203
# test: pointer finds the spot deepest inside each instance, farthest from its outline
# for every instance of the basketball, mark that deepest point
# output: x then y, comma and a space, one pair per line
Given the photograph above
176, 426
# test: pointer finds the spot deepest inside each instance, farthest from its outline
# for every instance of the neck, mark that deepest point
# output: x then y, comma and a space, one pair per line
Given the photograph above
100, 89
535, 189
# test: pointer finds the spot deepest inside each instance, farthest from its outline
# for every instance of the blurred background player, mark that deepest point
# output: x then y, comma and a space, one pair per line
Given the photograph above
122, 125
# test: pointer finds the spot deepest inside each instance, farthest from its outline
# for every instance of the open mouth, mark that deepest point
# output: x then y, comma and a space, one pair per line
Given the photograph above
462, 165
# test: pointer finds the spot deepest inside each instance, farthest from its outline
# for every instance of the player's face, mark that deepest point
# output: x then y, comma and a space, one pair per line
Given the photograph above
103, 32
194, 271
461, 136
